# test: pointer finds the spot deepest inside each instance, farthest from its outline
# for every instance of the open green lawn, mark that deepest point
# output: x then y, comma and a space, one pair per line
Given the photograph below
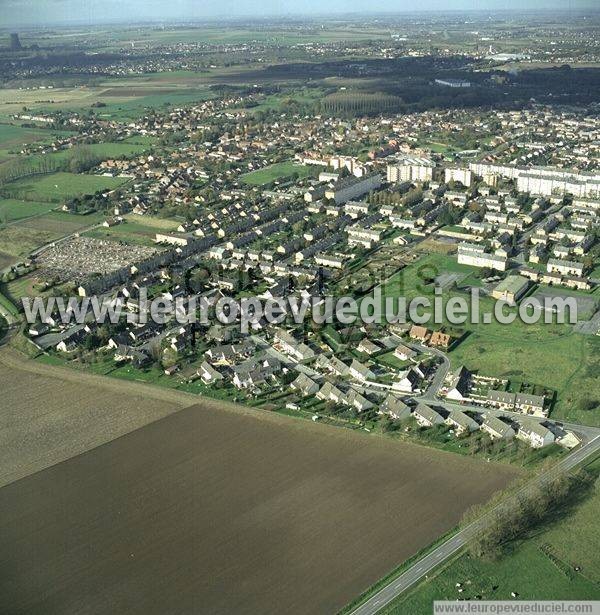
14, 137
528, 572
540, 568
59, 187
101, 151
139, 230
18, 240
550, 355
13, 209
414, 280
279, 171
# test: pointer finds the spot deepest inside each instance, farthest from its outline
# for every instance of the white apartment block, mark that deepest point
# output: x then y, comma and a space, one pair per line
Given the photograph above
464, 176
564, 267
467, 255
410, 170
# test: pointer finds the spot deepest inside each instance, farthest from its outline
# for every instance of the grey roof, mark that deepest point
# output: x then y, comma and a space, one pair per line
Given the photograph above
533, 427
462, 420
394, 406
428, 413
529, 400
497, 425
502, 397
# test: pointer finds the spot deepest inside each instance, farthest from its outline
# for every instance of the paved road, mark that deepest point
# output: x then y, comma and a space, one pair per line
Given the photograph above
442, 371
426, 564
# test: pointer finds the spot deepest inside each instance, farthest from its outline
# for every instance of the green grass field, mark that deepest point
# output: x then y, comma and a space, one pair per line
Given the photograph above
119, 99
14, 137
528, 572
138, 230
18, 240
59, 187
275, 172
13, 209
101, 151
550, 355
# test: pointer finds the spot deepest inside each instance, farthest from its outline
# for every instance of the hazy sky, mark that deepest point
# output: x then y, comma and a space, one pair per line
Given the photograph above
91, 11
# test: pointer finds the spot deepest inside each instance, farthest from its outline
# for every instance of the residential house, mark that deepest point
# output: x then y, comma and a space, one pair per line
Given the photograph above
458, 385
358, 401
530, 404
408, 381
360, 371
426, 416
209, 374
440, 340
535, 434
461, 422
497, 429
501, 399
419, 333
394, 407
366, 346
404, 353
304, 385
329, 392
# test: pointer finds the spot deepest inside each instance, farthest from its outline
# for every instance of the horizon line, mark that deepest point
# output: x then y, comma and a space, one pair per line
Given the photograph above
249, 17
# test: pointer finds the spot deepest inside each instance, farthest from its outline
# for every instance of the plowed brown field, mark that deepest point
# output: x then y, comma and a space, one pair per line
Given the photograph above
216, 511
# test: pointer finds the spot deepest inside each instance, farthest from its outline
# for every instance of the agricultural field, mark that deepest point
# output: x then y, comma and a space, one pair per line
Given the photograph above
276, 172
50, 414
217, 35
99, 151
61, 223
13, 209
60, 187
189, 507
17, 242
20, 239
541, 567
120, 99
13, 137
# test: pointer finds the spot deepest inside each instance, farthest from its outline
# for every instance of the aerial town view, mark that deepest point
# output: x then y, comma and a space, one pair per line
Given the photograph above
299, 307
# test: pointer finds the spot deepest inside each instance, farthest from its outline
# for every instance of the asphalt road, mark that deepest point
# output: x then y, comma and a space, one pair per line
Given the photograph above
426, 564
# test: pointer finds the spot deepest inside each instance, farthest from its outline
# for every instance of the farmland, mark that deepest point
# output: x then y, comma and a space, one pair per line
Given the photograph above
42, 425
275, 172
13, 209
96, 151
542, 567
122, 99
18, 240
13, 137
59, 187
189, 507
